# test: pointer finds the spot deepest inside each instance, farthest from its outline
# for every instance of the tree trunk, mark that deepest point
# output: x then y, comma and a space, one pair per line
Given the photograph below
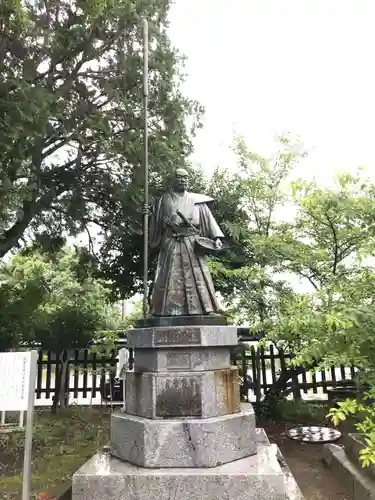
60, 378
279, 388
64, 372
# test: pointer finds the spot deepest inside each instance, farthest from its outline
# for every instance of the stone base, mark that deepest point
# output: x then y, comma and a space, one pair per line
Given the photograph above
353, 444
179, 336
182, 359
186, 442
197, 319
358, 483
258, 477
182, 394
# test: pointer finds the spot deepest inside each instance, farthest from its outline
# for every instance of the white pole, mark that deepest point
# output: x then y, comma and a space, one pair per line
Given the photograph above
29, 427
3, 418
22, 419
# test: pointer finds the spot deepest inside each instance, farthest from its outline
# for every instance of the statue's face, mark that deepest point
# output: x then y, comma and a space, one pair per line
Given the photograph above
180, 180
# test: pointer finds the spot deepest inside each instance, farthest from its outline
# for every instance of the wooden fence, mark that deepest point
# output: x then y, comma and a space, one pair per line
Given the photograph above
88, 371
264, 366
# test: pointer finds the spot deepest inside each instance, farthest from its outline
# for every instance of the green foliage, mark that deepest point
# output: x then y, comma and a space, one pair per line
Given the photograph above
71, 128
332, 230
331, 246
332, 235
61, 445
135, 315
366, 427
248, 202
328, 246
46, 301
296, 412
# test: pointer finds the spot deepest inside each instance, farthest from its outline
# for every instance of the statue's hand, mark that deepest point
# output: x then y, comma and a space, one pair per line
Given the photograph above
168, 222
218, 244
145, 209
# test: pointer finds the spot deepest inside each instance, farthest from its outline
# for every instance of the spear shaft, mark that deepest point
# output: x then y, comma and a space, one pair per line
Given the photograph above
145, 159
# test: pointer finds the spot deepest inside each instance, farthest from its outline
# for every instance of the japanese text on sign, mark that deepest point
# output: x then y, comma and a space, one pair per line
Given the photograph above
14, 380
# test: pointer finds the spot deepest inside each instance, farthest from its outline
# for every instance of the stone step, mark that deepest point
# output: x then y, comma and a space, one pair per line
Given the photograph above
353, 445
200, 394
187, 442
357, 483
258, 477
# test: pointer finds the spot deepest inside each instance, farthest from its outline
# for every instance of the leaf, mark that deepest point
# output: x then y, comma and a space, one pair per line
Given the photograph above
71, 128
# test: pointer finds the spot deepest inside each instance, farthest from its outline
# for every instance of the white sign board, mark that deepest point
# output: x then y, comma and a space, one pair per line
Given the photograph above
15, 370
17, 393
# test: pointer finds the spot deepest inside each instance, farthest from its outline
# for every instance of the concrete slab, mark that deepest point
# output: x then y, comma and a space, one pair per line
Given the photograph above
258, 477
353, 444
356, 482
292, 490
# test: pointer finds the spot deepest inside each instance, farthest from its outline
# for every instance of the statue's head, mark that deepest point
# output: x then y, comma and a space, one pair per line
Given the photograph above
179, 180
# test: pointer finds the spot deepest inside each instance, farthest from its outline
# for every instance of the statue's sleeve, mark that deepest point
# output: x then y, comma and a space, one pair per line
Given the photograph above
208, 224
156, 225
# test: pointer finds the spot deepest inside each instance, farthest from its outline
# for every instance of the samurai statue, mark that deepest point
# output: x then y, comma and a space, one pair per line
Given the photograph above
183, 231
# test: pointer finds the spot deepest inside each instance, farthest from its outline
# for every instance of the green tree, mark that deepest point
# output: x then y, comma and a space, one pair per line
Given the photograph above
332, 247
49, 303
332, 229
71, 128
248, 205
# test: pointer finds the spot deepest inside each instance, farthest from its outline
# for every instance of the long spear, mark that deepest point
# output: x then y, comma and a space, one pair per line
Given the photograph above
145, 159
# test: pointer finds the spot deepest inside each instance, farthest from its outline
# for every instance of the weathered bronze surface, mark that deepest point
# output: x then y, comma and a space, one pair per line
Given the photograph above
184, 231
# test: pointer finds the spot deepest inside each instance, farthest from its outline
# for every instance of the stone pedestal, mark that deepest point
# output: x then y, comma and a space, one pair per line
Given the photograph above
185, 435
184, 442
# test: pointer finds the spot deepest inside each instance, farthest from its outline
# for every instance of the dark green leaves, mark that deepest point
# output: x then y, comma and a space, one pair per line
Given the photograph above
72, 129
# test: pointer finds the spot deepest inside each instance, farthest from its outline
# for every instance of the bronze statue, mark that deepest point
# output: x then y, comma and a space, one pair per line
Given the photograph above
183, 230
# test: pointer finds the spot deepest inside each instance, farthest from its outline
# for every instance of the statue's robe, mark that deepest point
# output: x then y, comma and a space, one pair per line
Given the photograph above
183, 284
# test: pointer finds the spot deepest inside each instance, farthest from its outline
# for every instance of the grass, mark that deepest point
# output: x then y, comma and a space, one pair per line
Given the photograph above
296, 413
61, 444
302, 411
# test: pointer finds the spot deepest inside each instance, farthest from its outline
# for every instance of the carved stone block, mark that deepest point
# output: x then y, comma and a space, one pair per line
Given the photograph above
183, 394
182, 336
179, 358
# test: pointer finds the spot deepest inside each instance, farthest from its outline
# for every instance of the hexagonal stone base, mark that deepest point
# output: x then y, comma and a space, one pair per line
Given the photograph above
183, 394
183, 442
258, 477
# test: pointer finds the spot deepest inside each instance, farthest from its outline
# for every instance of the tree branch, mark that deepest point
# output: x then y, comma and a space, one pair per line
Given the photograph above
346, 247
30, 209
336, 245
317, 219
298, 271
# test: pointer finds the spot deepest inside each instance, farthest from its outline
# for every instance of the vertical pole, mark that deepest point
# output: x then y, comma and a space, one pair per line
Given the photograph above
145, 158
22, 419
29, 427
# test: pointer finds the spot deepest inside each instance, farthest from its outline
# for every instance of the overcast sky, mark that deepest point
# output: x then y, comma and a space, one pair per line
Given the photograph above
267, 67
